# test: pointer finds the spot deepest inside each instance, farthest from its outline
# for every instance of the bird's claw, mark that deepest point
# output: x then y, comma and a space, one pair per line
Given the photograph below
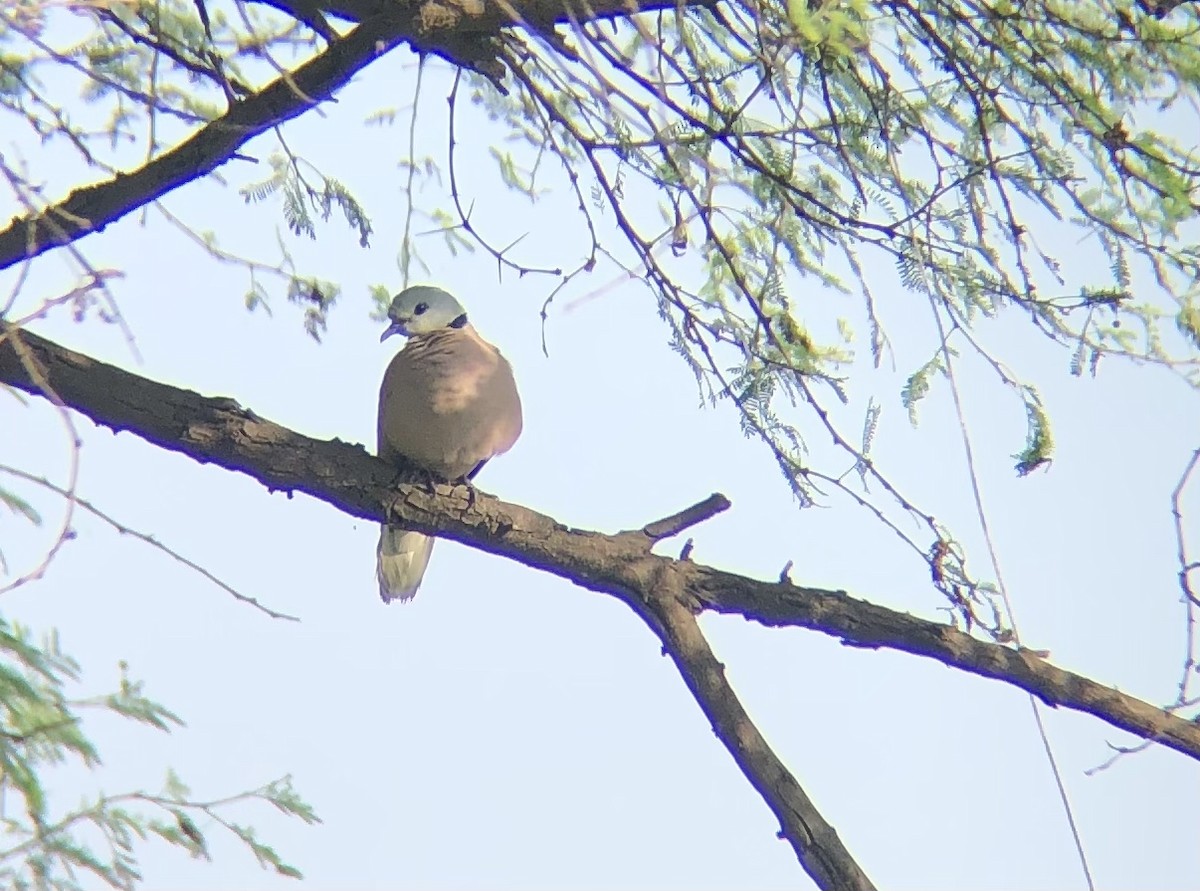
471, 491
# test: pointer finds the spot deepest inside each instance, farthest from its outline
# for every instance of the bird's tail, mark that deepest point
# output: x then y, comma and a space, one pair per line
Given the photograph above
402, 558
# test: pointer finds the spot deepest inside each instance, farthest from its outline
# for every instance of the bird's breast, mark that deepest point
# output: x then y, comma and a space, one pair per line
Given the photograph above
448, 404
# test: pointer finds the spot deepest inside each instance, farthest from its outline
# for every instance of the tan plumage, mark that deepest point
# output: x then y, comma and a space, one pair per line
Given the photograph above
448, 404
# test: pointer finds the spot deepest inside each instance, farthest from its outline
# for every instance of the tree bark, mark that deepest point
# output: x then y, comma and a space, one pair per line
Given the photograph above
666, 593
461, 31
219, 431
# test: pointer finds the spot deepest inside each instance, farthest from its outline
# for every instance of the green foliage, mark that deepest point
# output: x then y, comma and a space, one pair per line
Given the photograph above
1188, 321
870, 426
317, 297
381, 299
801, 150
917, 386
146, 72
454, 235
20, 506
512, 174
42, 728
301, 198
129, 702
1039, 442
835, 29
777, 173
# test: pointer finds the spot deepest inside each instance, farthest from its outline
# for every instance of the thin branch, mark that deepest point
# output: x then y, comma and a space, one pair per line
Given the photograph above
163, 44
91, 208
406, 242
1191, 602
936, 299
144, 537
39, 385
814, 840
688, 517
218, 431
464, 214
464, 39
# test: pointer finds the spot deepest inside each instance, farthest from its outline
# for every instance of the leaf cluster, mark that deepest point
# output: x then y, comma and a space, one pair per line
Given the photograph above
43, 731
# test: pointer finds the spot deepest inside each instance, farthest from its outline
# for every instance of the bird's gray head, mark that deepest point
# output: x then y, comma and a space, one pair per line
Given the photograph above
422, 309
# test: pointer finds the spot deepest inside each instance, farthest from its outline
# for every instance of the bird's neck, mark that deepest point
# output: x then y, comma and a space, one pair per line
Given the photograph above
433, 338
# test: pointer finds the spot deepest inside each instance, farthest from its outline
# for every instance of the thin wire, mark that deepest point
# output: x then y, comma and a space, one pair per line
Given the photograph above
985, 528
407, 245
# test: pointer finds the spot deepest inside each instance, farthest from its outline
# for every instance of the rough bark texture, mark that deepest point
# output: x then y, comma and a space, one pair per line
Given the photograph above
666, 593
462, 31
219, 431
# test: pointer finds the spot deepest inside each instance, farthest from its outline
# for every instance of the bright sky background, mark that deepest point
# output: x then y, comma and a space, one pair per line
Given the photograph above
508, 730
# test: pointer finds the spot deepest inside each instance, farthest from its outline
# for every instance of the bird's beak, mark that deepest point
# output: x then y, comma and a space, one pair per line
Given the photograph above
394, 328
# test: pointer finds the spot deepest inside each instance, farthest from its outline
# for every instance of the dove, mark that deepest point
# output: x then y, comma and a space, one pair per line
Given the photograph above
448, 404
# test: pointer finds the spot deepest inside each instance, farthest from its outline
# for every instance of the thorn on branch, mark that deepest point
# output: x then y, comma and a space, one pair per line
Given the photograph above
689, 516
785, 574
686, 552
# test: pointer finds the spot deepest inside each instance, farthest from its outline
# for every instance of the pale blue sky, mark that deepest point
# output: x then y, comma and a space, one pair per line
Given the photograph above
508, 730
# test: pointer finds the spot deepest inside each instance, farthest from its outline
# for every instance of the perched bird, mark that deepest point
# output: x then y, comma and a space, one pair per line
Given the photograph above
448, 404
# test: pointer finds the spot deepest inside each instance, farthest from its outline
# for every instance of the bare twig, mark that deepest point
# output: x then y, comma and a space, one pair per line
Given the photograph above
464, 214
148, 539
1186, 567
358, 484
688, 517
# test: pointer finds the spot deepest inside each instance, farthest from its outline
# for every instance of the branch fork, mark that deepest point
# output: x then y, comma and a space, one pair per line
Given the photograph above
665, 593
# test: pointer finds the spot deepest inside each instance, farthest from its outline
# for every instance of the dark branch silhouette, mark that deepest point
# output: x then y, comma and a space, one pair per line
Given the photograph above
460, 31
219, 431
667, 594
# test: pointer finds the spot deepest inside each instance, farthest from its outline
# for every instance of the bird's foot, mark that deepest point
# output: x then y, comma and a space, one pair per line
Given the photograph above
419, 478
466, 483
430, 481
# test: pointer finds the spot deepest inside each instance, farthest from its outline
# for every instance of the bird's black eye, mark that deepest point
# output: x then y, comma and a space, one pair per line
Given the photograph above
420, 308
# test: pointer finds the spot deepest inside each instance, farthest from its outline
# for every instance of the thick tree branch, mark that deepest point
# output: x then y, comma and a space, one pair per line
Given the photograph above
462, 31
221, 432
92, 208
218, 431
665, 592
815, 841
